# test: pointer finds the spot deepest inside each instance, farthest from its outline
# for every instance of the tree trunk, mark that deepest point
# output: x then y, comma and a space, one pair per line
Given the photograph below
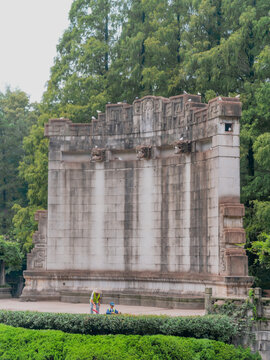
2, 273
106, 38
178, 38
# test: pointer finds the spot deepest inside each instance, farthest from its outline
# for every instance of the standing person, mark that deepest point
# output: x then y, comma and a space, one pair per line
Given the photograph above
95, 301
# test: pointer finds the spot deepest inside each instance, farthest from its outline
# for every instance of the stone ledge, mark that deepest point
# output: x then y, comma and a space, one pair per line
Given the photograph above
139, 300
33, 297
123, 275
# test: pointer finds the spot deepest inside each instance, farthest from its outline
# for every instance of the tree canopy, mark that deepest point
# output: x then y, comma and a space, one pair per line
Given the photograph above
16, 118
10, 255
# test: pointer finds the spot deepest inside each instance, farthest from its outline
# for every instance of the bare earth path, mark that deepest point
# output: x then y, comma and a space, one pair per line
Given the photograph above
61, 307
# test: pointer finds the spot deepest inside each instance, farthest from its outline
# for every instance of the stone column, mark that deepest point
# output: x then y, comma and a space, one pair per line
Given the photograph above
258, 301
208, 301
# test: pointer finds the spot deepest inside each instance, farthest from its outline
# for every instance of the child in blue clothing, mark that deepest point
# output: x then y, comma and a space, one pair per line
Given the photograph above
112, 310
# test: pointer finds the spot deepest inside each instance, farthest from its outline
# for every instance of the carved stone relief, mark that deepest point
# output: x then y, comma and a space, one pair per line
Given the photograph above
143, 152
169, 109
114, 115
214, 109
178, 107
97, 155
158, 106
137, 108
182, 146
222, 261
37, 258
148, 109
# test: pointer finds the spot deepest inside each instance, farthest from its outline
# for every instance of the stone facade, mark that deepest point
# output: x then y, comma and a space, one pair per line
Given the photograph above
144, 200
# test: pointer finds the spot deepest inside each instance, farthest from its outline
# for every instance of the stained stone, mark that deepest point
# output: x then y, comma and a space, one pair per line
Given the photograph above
144, 200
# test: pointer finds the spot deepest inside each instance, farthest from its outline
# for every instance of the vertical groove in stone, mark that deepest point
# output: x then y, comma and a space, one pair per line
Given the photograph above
164, 217
97, 232
128, 217
203, 216
147, 258
186, 222
193, 215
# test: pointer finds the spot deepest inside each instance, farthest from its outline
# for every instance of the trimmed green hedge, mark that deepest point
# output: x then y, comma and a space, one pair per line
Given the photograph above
18, 343
215, 327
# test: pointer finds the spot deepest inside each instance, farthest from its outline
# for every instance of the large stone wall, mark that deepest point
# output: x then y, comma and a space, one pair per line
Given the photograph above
145, 199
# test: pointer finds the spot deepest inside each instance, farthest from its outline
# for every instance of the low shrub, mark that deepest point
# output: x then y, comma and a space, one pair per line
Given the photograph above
214, 327
18, 343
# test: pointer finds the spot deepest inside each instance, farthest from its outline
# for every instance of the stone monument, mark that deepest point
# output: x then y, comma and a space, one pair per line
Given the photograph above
143, 202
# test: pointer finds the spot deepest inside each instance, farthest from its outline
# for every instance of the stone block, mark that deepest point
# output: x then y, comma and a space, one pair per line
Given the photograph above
234, 235
232, 210
236, 262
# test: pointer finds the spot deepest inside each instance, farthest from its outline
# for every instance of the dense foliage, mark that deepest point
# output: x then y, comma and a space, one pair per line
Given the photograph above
10, 254
37, 344
16, 118
119, 50
211, 327
243, 315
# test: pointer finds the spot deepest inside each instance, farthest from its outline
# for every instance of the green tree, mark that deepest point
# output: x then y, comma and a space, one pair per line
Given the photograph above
33, 170
149, 51
223, 40
256, 194
261, 248
126, 71
34, 167
78, 81
10, 258
16, 117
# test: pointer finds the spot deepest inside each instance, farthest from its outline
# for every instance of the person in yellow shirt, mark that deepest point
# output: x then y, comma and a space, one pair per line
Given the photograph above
95, 301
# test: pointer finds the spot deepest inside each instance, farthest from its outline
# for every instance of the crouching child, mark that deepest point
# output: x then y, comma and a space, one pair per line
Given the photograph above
112, 310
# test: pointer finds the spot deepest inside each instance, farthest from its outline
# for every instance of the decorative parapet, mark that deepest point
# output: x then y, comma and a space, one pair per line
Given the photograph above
36, 260
225, 107
57, 127
153, 114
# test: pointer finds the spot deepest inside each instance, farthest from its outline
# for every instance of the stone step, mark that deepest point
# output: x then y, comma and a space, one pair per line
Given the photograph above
153, 300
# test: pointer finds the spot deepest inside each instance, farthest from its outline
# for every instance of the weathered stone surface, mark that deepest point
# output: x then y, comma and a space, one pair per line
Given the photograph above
37, 258
5, 293
144, 199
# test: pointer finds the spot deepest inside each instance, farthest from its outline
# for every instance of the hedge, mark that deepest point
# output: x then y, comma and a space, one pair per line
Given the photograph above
18, 343
215, 327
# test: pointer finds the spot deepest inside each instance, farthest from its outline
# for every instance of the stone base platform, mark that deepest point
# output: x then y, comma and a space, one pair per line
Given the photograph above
131, 299
168, 290
5, 292
152, 300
